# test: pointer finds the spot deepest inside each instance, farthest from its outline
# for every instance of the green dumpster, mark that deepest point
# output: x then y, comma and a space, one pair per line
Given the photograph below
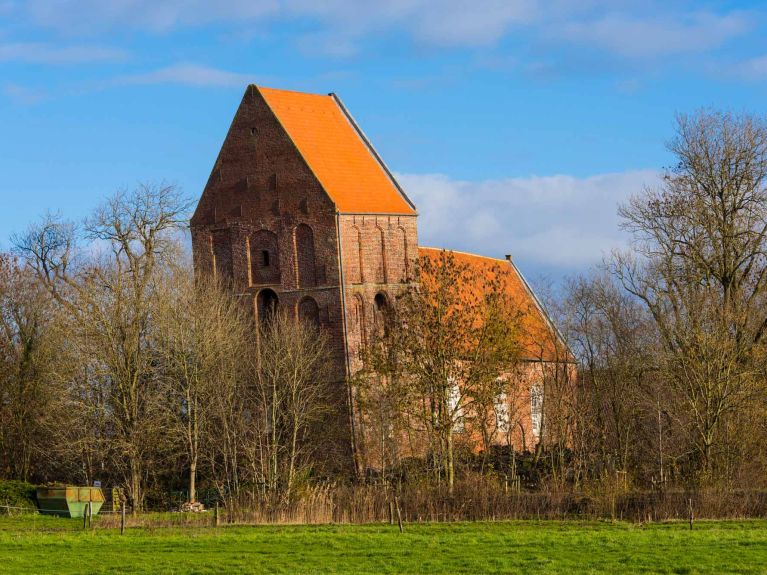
68, 500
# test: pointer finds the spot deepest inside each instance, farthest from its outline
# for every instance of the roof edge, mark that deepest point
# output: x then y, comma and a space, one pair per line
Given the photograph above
499, 260
542, 309
372, 149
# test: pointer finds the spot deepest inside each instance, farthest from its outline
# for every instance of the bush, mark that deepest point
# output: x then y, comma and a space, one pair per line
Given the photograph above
17, 494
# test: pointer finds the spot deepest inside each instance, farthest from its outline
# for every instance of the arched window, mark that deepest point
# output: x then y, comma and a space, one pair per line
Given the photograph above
305, 261
309, 312
267, 303
380, 302
381, 312
264, 258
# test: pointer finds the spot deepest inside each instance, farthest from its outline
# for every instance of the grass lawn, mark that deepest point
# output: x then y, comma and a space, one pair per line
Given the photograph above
51, 545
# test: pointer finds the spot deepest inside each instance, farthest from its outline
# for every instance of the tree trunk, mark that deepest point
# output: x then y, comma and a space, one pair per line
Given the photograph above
193, 480
449, 464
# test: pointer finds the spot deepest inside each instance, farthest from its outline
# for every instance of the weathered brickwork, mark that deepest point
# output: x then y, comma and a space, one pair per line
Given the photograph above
272, 225
266, 222
378, 257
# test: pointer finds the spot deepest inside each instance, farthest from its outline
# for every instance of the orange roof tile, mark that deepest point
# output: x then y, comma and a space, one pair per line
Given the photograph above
539, 339
336, 151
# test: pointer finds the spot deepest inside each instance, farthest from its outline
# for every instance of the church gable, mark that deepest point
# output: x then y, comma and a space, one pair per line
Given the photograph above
258, 172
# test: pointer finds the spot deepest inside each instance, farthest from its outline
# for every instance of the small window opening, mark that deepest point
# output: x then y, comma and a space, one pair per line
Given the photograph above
265, 258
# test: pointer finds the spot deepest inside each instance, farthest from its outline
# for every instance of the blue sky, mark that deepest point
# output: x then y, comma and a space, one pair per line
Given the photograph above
516, 125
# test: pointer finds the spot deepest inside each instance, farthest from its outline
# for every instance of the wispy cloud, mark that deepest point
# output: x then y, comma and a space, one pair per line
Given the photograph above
751, 69
97, 16
189, 75
638, 37
23, 95
627, 28
42, 53
557, 221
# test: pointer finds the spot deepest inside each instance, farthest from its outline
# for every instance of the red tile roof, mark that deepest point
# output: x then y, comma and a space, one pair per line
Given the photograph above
539, 339
336, 151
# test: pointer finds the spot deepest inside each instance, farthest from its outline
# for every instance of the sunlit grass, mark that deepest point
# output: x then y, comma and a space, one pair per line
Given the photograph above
51, 545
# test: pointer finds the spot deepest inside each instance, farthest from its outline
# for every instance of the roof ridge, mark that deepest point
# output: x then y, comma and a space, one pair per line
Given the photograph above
291, 91
504, 260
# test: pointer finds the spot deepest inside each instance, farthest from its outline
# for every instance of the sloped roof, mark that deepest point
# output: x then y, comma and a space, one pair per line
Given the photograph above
539, 339
337, 152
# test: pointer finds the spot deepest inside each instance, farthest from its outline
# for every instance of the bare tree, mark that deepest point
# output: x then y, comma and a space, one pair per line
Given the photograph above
700, 241
614, 341
31, 354
202, 331
291, 398
110, 299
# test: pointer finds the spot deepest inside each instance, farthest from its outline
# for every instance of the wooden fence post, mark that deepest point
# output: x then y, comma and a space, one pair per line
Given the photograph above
122, 519
399, 515
692, 517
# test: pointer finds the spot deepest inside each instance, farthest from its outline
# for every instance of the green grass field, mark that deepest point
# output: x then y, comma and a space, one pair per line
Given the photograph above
50, 545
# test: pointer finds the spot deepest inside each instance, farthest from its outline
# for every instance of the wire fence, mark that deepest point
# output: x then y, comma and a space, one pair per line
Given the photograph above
469, 502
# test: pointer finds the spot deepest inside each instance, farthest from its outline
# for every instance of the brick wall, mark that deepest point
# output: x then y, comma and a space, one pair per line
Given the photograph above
379, 254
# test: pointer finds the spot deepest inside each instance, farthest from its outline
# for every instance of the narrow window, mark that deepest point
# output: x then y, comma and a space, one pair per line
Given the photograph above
453, 404
502, 412
536, 408
305, 256
265, 258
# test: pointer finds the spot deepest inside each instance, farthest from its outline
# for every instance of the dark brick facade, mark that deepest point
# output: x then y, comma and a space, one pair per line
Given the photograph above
265, 225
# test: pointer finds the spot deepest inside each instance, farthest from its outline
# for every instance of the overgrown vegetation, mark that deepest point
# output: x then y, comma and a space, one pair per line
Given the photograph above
16, 494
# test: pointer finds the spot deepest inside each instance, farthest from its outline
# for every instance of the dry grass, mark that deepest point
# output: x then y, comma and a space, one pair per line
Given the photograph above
474, 500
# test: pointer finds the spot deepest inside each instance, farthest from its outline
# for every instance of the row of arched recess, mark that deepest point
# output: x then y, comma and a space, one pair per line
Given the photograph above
265, 257
268, 303
388, 261
379, 260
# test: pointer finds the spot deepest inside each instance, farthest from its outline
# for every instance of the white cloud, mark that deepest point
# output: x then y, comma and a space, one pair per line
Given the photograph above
189, 75
638, 37
630, 28
41, 53
556, 221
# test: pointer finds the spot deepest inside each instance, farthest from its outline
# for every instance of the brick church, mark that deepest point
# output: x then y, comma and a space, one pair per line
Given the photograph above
300, 212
